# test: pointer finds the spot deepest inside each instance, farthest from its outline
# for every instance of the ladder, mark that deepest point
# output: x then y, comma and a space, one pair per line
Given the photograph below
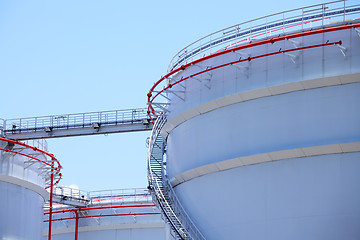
163, 194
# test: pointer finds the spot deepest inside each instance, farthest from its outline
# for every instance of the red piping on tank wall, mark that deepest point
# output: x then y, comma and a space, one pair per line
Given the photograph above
76, 211
102, 215
245, 60
271, 40
54, 170
104, 207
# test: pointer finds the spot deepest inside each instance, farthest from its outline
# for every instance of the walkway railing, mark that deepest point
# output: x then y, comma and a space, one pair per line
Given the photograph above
80, 198
76, 124
282, 23
119, 196
68, 121
2, 124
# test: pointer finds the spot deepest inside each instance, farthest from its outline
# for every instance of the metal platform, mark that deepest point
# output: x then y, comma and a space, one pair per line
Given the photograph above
78, 124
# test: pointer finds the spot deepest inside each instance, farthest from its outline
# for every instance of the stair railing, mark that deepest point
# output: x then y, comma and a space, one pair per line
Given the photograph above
163, 194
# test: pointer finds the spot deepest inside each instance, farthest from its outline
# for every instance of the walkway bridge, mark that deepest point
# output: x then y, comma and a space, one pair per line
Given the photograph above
78, 124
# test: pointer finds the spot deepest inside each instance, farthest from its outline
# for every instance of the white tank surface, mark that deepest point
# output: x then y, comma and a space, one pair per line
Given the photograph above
22, 189
262, 131
111, 214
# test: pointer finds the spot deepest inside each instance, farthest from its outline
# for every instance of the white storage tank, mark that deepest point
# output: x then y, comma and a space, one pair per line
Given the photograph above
263, 133
109, 214
22, 191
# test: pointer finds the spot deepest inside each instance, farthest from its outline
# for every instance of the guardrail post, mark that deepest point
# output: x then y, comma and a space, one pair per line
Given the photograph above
2, 127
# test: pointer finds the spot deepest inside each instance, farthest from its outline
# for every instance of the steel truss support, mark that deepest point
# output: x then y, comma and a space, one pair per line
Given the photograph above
241, 54
357, 31
292, 57
176, 93
243, 69
342, 49
161, 106
295, 43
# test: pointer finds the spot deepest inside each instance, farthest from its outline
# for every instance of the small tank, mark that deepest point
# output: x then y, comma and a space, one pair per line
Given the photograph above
107, 214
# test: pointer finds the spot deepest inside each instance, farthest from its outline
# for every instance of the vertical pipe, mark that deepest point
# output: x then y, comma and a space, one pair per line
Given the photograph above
76, 223
51, 197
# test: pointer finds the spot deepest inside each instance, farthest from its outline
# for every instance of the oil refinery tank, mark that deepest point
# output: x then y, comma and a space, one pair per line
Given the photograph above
263, 126
23, 178
108, 214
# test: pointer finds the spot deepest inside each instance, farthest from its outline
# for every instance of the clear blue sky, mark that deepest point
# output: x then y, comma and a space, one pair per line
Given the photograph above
59, 57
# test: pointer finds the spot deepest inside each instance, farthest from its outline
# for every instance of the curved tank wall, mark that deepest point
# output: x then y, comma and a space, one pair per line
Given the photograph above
22, 196
130, 221
269, 149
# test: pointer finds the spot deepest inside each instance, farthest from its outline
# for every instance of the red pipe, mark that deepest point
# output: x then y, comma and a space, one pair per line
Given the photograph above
107, 215
76, 223
58, 167
243, 60
53, 159
77, 217
271, 40
102, 207
51, 199
22, 154
117, 206
275, 30
29, 146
